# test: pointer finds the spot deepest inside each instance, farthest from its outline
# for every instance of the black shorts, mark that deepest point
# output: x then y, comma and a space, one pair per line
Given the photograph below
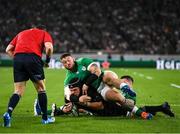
28, 66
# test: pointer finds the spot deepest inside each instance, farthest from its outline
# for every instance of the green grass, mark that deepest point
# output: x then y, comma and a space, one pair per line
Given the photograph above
150, 91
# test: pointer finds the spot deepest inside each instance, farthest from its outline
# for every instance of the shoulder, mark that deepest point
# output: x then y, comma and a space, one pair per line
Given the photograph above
24, 32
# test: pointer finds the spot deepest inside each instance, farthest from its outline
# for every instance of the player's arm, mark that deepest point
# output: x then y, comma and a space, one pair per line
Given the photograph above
95, 72
48, 48
10, 50
84, 100
94, 68
95, 105
67, 94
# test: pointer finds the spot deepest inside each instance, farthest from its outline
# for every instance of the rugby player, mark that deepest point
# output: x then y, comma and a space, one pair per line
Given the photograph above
111, 108
90, 73
93, 104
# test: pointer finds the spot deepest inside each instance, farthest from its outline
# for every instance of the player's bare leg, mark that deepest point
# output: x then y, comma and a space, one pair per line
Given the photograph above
112, 95
111, 79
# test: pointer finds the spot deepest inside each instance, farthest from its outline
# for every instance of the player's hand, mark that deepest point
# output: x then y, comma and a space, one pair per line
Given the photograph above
67, 107
84, 89
46, 65
84, 99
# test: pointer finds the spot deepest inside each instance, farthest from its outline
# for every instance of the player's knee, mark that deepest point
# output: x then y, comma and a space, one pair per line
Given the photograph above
40, 86
19, 92
110, 78
107, 79
110, 74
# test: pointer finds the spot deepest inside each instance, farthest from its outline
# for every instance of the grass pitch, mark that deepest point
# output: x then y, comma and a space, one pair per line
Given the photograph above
153, 87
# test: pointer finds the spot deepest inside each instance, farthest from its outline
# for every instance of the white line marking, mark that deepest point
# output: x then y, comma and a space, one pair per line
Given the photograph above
149, 77
174, 105
135, 73
174, 85
141, 75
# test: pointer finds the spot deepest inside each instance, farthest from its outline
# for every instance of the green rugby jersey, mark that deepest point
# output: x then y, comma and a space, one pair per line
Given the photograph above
81, 71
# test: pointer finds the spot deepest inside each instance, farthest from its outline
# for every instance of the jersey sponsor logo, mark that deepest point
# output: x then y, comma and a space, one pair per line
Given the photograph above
77, 72
83, 68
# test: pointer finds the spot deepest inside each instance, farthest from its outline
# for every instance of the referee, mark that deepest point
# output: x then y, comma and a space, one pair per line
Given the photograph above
26, 51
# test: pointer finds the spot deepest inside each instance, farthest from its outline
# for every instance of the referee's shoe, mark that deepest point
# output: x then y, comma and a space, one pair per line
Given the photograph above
7, 120
49, 120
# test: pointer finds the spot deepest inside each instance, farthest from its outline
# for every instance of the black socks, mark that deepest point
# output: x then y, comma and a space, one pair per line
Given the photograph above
13, 101
152, 109
42, 98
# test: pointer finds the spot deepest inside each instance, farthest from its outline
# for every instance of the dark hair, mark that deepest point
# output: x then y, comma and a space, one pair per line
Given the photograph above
128, 77
39, 26
64, 55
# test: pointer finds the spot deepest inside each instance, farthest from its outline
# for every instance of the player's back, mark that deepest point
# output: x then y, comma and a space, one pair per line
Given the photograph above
29, 41
31, 36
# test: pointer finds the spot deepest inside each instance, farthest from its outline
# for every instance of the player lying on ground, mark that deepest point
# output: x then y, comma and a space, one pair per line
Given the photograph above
91, 74
97, 106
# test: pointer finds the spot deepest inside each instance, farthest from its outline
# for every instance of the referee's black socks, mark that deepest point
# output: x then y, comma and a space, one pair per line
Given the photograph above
42, 98
13, 101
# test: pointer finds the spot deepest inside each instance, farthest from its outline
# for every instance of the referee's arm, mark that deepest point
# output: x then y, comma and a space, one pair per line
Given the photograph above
48, 48
49, 52
10, 50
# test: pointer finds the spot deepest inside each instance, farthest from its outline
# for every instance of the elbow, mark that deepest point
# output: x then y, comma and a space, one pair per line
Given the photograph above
10, 50
7, 50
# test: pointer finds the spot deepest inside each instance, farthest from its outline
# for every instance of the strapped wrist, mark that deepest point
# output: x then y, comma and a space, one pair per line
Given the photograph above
48, 58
